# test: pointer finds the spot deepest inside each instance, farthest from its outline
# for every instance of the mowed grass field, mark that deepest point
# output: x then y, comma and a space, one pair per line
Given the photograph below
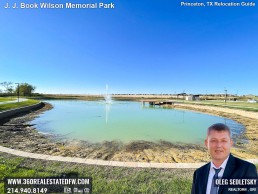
4, 99
242, 105
13, 105
105, 179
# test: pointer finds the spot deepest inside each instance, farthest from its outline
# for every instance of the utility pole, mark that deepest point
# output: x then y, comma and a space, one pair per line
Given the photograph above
226, 96
18, 91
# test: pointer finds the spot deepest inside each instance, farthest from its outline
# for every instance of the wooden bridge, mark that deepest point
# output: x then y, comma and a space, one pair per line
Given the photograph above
158, 102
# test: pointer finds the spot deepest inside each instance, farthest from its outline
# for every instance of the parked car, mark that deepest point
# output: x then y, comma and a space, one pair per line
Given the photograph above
252, 101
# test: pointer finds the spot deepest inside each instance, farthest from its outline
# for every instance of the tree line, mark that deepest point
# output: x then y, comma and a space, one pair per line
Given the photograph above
23, 89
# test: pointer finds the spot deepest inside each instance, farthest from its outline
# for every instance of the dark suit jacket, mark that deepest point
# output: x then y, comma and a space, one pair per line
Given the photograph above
235, 168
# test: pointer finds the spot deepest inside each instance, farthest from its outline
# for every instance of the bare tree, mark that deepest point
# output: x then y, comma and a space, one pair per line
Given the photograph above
8, 87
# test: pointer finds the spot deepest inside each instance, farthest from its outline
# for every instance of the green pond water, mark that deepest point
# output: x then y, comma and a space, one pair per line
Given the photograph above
96, 121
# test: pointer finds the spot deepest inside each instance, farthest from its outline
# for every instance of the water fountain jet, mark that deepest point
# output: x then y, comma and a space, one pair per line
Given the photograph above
107, 96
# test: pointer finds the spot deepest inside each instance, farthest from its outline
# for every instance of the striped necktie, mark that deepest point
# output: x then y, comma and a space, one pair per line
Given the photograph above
214, 188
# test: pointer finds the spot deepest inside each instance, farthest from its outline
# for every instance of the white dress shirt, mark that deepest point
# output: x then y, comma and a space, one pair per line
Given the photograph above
212, 173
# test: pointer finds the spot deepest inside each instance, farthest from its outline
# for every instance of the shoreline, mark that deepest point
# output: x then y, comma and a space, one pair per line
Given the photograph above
20, 135
248, 119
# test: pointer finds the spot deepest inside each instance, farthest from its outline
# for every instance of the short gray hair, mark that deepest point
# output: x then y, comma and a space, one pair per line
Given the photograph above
219, 127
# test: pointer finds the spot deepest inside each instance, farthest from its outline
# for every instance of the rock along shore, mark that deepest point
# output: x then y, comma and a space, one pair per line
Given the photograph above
18, 133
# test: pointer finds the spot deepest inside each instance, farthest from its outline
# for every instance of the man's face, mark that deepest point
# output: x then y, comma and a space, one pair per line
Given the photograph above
218, 144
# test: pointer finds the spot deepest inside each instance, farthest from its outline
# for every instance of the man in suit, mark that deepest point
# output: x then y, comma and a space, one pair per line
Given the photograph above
223, 164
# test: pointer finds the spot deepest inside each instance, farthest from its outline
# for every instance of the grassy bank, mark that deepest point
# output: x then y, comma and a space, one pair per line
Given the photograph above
67, 97
106, 180
17, 104
241, 105
4, 99
85, 97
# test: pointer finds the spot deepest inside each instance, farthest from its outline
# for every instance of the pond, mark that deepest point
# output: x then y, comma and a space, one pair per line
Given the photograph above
96, 121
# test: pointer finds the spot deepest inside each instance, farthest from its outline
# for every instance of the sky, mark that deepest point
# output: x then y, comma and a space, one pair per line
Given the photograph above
143, 46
